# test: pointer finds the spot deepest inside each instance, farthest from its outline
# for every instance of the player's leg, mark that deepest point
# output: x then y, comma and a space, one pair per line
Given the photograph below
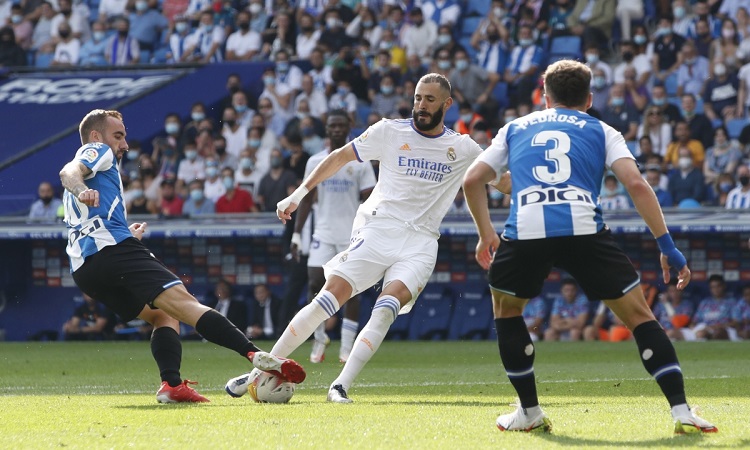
395, 296
349, 328
317, 280
166, 349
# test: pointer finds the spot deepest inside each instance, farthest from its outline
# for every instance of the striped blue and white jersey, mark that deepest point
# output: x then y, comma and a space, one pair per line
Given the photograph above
557, 158
91, 229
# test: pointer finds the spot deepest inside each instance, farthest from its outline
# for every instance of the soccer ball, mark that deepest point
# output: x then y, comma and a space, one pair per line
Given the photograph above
265, 387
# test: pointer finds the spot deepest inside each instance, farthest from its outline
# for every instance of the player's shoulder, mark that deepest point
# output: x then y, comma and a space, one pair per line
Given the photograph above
92, 151
397, 124
464, 142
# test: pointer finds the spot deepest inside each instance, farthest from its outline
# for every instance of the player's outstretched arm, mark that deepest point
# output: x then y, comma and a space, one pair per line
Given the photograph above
326, 169
303, 211
648, 207
475, 180
72, 176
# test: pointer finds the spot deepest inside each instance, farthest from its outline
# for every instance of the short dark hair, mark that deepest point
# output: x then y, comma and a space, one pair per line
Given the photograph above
96, 120
338, 113
716, 277
437, 78
567, 82
568, 280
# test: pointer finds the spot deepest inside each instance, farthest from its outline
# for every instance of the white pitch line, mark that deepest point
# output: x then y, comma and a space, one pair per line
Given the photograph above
106, 390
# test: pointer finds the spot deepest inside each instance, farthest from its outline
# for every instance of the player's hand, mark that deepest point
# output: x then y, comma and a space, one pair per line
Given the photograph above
89, 197
285, 208
137, 229
485, 251
505, 184
295, 245
683, 276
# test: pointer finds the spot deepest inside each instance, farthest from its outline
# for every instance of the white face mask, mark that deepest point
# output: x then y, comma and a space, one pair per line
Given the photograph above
685, 162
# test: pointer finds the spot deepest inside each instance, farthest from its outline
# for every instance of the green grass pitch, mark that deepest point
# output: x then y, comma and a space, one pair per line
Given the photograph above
412, 395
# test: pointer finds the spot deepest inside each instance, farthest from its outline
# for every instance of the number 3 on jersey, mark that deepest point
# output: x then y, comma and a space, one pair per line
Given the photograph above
557, 155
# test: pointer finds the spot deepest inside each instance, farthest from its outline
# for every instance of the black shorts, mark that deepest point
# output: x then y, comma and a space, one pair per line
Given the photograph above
125, 277
600, 267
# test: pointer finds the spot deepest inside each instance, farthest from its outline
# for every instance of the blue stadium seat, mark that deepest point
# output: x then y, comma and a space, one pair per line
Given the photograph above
399, 331
451, 116
43, 60
500, 93
472, 315
363, 110
432, 313
670, 85
565, 47
477, 7
632, 146
735, 126
469, 25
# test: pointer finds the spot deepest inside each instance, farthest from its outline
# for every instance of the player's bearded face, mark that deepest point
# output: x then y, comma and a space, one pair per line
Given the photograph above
426, 121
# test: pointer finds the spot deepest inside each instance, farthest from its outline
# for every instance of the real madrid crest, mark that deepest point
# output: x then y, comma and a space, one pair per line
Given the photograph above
349, 170
451, 154
344, 257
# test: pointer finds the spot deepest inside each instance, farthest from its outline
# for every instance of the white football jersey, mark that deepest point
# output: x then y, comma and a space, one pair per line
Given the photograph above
338, 199
419, 174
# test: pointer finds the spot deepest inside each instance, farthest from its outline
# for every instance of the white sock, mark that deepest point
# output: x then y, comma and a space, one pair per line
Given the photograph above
348, 334
367, 343
680, 410
323, 306
320, 332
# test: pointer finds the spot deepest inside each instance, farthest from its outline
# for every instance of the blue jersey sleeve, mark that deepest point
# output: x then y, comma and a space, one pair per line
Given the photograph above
95, 155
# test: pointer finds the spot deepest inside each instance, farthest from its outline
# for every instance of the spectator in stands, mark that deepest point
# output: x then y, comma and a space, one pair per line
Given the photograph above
171, 203
700, 127
741, 315
147, 174
228, 306
334, 37
606, 326
569, 314
391, 43
110, 10
600, 90
692, 72
147, 24
191, 167
492, 46
521, 73
720, 95
308, 36
223, 157
197, 204
611, 197
179, 40
714, 313
68, 48
214, 185
682, 17
320, 73
442, 12
121, 49
344, 99
626, 13
274, 116
45, 208
743, 23
636, 95
130, 164
721, 188
723, 157
644, 150
41, 39
673, 311
244, 112
386, 99
739, 197
207, 42
247, 176
743, 96
660, 101
659, 132
653, 177
533, 315
419, 36
685, 181
259, 16
268, 138
618, 115
702, 12
316, 103
350, 67
77, 19
445, 41
473, 84
136, 201
278, 183
365, 26
683, 140
557, 22
467, 118
312, 143
383, 66
593, 20
235, 199
245, 43
667, 47
593, 60
234, 132
725, 48
703, 39
276, 97
22, 26
296, 158
259, 152
11, 54
93, 50
287, 74
191, 129
90, 322
265, 321
293, 126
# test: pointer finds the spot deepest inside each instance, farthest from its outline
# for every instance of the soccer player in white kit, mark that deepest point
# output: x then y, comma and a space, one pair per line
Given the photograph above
557, 158
395, 233
338, 199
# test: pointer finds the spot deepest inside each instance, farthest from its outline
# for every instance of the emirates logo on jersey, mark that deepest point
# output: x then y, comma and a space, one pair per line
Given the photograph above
451, 154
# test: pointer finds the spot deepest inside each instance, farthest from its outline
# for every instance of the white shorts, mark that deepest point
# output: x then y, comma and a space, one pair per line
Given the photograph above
322, 252
388, 249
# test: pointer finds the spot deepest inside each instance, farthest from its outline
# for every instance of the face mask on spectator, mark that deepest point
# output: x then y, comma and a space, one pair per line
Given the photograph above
725, 186
311, 146
385, 45
15, 18
640, 39
342, 91
444, 39
180, 27
196, 195
133, 155
211, 172
137, 193
444, 64
496, 195
617, 101
207, 27
332, 22
64, 33
301, 115
197, 116
462, 64
244, 26
386, 89
663, 31
230, 122
744, 180
367, 23
172, 127
498, 12
240, 108
467, 117
685, 162
720, 70
509, 118
525, 42
269, 80
600, 82
592, 58
606, 192
247, 163
98, 35
282, 66
254, 143
276, 162
191, 154
659, 101
228, 182
255, 8
141, 6
727, 33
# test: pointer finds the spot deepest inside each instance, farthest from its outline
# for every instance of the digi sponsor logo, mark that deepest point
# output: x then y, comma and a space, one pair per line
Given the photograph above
537, 195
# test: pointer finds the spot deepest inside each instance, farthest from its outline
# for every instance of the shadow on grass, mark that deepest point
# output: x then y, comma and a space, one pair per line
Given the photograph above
675, 441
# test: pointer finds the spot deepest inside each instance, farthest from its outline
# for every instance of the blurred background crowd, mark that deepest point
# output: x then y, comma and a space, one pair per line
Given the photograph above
672, 76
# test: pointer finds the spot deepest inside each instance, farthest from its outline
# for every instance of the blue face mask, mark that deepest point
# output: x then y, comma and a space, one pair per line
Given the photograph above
725, 186
467, 117
386, 89
133, 155
342, 91
228, 182
617, 101
269, 80
600, 82
444, 64
196, 195
137, 193
181, 27
282, 66
525, 42
172, 128
240, 108
211, 172
254, 143
247, 163
659, 101
191, 154
640, 39
197, 116
462, 64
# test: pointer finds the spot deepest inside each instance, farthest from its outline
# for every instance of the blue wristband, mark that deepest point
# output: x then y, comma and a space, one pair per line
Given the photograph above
675, 258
